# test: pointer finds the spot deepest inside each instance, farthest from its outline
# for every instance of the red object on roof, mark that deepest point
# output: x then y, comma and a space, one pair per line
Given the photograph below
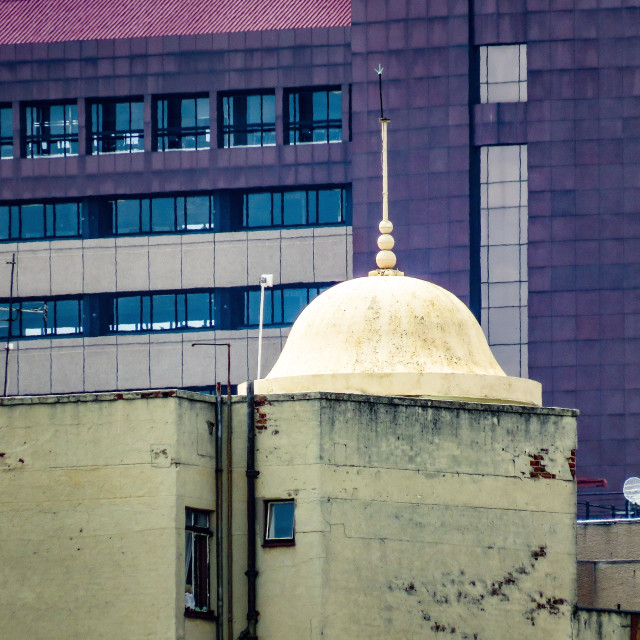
592, 482
24, 21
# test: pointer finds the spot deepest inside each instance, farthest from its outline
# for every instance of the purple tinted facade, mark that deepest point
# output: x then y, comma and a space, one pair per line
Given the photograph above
581, 125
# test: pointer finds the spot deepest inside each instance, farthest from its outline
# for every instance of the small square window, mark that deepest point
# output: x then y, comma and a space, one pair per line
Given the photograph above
279, 523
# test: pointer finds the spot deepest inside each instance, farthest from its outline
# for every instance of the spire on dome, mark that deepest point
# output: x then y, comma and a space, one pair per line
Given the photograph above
386, 258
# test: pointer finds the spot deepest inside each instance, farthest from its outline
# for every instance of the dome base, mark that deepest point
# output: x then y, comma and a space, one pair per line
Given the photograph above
441, 386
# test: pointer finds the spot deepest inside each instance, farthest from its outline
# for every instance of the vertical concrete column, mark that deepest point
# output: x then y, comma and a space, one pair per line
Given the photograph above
17, 125
83, 128
149, 129
279, 116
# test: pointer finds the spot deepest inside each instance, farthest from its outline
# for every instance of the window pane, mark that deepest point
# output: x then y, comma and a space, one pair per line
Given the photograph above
199, 310
203, 112
269, 109
5, 217
258, 209
335, 105
295, 207
67, 316
198, 216
137, 115
128, 216
6, 125
164, 312
329, 206
293, 302
127, 313
66, 219
32, 318
281, 515
32, 216
162, 214
188, 112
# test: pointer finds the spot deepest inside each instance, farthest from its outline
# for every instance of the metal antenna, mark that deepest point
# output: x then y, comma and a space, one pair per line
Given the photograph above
379, 71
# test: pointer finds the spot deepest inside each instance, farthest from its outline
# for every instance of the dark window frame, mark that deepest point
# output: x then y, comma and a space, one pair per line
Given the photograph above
301, 124
197, 541
146, 214
50, 317
169, 132
277, 214
16, 221
145, 317
274, 314
233, 128
6, 139
103, 133
37, 137
269, 541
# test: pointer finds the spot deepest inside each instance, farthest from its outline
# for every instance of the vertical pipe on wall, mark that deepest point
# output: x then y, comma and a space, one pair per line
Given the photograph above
219, 524
229, 505
252, 613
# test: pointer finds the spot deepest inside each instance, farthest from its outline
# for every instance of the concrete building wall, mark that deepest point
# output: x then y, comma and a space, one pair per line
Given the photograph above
416, 517
92, 515
609, 565
412, 517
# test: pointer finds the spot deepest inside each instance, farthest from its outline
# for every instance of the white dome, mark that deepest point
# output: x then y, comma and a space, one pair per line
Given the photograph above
393, 336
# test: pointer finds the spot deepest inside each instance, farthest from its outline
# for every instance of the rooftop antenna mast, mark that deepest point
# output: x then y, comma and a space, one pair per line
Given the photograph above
385, 259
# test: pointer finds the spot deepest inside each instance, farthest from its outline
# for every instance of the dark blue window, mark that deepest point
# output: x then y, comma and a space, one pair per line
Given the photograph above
295, 208
282, 305
37, 318
117, 126
6, 132
166, 311
313, 115
31, 221
182, 122
162, 215
248, 120
51, 129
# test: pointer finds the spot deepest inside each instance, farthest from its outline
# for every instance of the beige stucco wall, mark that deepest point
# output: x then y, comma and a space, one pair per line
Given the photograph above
412, 517
92, 498
609, 564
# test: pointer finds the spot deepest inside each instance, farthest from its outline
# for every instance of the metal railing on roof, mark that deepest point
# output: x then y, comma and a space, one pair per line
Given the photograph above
606, 505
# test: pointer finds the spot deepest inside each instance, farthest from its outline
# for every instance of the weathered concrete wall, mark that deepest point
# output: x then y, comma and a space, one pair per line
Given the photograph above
597, 624
92, 498
416, 518
609, 564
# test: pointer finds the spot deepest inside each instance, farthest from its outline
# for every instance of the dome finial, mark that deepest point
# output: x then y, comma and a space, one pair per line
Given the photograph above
385, 259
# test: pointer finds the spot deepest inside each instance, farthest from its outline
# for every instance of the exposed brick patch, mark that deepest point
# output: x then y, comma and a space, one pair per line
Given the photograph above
572, 463
538, 467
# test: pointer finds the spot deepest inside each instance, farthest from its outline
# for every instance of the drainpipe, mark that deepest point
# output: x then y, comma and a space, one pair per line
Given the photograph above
229, 506
218, 502
252, 613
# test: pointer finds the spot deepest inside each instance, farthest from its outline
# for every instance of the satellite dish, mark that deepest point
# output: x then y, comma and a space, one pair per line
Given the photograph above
631, 490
